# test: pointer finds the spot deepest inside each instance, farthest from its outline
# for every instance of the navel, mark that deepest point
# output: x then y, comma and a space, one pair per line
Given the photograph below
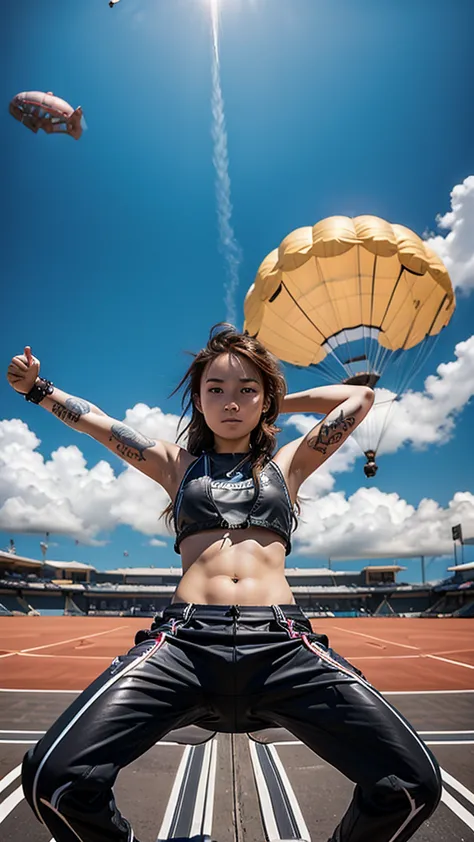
234, 579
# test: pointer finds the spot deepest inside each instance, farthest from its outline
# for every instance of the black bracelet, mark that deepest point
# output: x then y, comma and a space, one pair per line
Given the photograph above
39, 391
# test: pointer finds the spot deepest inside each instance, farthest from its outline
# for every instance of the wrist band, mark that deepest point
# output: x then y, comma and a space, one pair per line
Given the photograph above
39, 391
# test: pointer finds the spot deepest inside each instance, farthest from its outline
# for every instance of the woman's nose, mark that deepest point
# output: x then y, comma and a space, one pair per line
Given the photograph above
232, 405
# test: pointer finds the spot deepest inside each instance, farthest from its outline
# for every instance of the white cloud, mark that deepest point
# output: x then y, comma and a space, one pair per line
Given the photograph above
417, 418
155, 542
371, 523
427, 417
62, 495
456, 249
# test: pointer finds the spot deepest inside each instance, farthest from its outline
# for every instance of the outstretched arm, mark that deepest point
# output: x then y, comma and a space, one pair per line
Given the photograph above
344, 406
157, 459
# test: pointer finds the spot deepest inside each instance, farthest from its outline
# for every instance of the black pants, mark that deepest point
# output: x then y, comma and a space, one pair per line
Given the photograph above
231, 669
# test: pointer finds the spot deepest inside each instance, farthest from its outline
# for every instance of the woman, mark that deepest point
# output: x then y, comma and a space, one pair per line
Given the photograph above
232, 652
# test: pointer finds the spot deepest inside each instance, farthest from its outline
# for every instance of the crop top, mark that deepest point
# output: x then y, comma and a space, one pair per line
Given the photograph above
218, 491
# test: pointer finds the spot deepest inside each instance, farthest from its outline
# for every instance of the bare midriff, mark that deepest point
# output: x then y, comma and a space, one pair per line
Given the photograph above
233, 567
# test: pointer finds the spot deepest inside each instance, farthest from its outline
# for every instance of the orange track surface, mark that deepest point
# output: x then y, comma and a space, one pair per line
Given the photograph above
67, 653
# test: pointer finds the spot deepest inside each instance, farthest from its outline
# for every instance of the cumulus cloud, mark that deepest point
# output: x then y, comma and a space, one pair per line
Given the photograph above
456, 249
371, 523
62, 495
417, 418
155, 542
427, 417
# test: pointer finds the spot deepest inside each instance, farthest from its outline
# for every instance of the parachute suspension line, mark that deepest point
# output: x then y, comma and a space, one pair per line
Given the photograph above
295, 302
424, 349
228, 244
385, 422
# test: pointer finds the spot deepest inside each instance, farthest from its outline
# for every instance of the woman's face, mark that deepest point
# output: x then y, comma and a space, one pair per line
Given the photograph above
231, 399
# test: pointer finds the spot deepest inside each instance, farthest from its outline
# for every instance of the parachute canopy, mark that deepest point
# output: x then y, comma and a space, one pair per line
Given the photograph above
37, 110
352, 297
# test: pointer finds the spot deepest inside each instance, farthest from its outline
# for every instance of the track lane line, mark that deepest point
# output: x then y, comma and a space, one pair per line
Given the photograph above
60, 642
10, 803
10, 777
457, 808
450, 661
379, 639
463, 790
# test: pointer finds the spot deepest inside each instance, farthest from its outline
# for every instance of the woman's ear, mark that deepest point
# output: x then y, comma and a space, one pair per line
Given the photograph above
197, 402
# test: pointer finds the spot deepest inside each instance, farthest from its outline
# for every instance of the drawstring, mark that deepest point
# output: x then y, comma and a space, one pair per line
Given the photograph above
284, 622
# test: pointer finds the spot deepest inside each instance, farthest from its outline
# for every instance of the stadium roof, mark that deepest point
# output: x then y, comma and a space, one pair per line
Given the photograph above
289, 571
469, 565
69, 565
13, 558
144, 571
385, 567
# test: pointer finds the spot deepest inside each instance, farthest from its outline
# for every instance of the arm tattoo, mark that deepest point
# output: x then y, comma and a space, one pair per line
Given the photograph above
130, 443
331, 432
71, 411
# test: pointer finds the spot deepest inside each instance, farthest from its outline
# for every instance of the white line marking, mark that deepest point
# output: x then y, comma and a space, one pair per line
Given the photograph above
421, 692
457, 808
450, 651
266, 806
449, 661
446, 732
163, 832
383, 657
209, 805
4, 731
463, 790
22, 690
380, 639
290, 794
73, 657
10, 803
202, 792
70, 640
426, 742
18, 742
8, 779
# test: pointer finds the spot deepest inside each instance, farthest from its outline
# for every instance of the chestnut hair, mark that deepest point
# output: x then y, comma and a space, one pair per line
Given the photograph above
225, 338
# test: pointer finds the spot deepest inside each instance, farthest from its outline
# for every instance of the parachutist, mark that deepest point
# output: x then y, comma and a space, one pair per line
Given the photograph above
371, 467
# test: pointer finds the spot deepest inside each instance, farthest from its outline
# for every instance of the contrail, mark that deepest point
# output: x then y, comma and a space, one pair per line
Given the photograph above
228, 244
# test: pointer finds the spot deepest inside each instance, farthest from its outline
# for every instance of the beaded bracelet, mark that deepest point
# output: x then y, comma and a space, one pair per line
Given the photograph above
39, 391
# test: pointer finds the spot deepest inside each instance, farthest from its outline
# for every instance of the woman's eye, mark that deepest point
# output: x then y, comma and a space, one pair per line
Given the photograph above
248, 389
215, 389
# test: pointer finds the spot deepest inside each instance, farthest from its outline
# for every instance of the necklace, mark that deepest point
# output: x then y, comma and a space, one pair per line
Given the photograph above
236, 467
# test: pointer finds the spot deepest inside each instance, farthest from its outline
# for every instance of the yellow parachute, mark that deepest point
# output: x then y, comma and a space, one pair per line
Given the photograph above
352, 297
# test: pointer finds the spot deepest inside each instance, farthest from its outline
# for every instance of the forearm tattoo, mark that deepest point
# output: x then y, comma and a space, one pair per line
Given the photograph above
331, 432
71, 411
130, 443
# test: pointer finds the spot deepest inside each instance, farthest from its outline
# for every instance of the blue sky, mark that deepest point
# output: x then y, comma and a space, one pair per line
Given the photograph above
111, 263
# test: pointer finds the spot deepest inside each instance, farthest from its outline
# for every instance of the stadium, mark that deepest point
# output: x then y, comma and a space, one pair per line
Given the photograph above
53, 588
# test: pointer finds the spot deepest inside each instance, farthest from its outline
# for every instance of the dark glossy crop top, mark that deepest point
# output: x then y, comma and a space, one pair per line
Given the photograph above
218, 491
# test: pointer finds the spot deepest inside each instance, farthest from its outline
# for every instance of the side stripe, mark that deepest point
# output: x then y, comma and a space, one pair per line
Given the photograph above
159, 642
325, 657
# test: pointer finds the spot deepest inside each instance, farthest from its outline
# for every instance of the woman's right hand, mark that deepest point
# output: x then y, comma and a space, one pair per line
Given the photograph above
23, 371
